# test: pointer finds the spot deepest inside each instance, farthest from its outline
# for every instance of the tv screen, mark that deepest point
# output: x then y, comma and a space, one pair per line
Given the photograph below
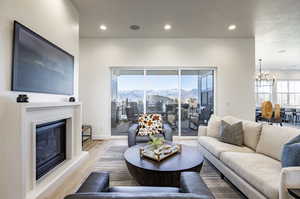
39, 65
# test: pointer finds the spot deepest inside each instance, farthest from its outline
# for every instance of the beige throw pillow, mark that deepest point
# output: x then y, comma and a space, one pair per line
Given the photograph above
252, 131
213, 126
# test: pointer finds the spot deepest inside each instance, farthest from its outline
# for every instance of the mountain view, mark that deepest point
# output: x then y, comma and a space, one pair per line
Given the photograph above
136, 95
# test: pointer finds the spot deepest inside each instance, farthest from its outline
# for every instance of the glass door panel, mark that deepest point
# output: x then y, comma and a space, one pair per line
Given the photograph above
127, 99
162, 95
197, 97
184, 98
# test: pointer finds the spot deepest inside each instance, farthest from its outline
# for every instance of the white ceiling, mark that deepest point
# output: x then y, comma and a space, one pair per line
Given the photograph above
275, 24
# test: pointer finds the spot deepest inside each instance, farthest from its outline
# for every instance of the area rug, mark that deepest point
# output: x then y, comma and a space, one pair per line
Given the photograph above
112, 161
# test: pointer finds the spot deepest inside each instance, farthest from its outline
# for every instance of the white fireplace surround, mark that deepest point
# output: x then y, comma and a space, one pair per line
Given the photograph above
69, 150
18, 173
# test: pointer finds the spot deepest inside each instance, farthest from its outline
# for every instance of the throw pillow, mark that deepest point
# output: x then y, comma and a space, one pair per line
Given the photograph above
149, 124
213, 126
251, 131
291, 153
231, 133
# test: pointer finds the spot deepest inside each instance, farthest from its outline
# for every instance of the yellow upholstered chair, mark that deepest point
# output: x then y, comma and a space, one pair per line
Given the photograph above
267, 111
277, 111
277, 115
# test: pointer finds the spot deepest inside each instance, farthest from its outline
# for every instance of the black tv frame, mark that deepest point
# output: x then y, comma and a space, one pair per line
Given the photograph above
15, 47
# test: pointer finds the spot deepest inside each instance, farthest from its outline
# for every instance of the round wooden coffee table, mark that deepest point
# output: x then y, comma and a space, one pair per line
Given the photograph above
148, 172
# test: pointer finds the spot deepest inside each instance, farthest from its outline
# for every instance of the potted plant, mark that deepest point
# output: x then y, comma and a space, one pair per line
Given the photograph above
156, 142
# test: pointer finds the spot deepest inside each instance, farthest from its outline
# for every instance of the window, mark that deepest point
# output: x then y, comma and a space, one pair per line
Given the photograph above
288, 92
282, 92
184, 98
263, 90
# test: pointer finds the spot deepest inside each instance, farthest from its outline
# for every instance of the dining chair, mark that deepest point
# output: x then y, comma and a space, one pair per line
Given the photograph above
277, 118
289, 115
267, 111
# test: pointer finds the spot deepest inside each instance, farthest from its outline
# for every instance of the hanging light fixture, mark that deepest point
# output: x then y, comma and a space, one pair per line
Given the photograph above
263, 75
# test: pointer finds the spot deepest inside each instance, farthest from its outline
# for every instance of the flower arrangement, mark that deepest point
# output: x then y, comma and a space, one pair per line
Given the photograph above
156, 142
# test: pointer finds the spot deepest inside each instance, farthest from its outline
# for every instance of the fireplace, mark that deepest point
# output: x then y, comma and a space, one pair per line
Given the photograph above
50, 146
19, 171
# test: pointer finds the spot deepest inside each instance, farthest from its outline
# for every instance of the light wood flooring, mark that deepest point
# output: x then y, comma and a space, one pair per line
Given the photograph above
107, 156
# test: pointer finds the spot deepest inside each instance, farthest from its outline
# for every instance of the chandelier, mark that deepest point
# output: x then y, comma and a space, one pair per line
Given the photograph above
264, 76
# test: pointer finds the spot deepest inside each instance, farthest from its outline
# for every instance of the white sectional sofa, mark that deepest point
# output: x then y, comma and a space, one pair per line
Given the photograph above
255, 168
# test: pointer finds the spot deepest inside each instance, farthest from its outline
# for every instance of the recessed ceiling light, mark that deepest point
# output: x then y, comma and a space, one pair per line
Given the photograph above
103, 27
167, 27
232, 27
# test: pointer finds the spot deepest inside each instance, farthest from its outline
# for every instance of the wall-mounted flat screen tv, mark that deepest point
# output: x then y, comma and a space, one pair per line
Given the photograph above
39, 65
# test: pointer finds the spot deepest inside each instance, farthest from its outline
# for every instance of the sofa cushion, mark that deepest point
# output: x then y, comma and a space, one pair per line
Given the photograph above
261, 171
213, 126
214, 146
231, 133
252, 131
273, 138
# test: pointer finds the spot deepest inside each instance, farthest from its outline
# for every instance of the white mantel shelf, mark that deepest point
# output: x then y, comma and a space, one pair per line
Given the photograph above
49, 104
18, 146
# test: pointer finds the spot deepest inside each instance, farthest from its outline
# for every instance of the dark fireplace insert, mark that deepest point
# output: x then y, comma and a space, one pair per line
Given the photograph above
50, 146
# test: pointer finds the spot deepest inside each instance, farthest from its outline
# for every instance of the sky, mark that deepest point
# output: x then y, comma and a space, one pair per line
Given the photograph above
130, 82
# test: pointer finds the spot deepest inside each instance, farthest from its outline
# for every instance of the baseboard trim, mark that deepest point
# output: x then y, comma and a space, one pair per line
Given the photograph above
97, 137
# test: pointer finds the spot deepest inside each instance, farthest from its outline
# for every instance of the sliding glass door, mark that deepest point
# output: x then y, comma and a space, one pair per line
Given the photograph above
197, 99
184, 98
127, 99
162, 95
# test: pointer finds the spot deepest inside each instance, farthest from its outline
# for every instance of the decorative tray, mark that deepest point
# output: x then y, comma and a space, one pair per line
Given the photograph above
161, 153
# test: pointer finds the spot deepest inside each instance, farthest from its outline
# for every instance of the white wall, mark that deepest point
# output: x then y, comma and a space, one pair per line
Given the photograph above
56, 20
234, 59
